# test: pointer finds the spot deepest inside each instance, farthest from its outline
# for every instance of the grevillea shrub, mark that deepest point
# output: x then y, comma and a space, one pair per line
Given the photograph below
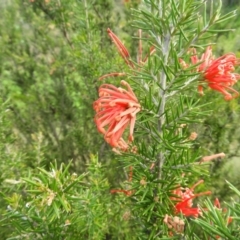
137, 170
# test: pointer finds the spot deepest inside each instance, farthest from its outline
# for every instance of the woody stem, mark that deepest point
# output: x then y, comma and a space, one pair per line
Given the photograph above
164, 43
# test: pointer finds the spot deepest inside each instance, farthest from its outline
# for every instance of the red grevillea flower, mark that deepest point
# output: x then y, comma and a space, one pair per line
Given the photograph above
185, 198
218, 73
116, 110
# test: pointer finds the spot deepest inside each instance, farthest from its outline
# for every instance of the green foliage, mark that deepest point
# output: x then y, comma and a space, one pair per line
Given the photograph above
58, 179
59, 205
222, 222
49, 83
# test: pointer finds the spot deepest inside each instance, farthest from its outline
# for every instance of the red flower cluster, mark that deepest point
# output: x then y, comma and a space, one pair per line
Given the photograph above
185, 198
218, 73
116, 109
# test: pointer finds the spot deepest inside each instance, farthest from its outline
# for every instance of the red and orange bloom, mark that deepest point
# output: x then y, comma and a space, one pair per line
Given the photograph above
116, 110
184, 200
218, 73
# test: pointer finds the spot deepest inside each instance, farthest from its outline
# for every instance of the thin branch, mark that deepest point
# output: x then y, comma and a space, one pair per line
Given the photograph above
87, 21
64, 27
162, 79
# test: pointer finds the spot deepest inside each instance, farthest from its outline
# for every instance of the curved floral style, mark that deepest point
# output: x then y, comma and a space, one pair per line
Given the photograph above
218, 73
184, 200
116, 110
123, 51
